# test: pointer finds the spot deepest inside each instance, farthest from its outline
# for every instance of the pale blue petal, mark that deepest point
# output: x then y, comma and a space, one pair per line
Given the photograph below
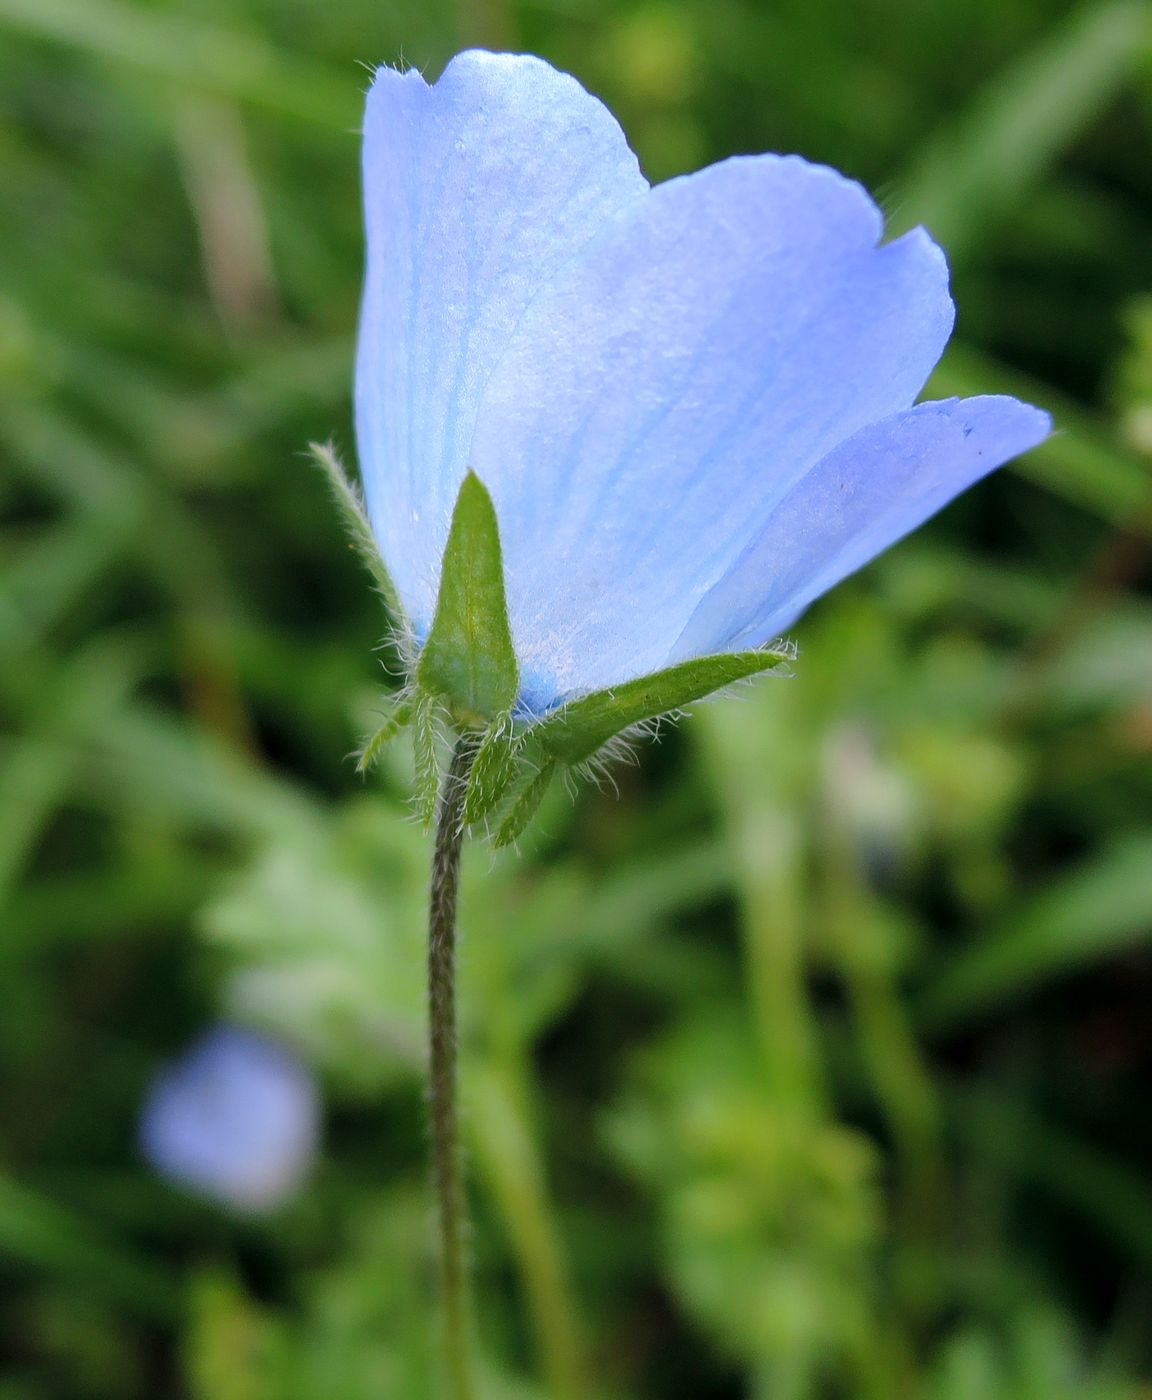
477, 190
664, 393
864, 496
236, 1118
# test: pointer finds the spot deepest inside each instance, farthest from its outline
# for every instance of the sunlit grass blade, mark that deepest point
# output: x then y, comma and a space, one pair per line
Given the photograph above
174, 47
971, 172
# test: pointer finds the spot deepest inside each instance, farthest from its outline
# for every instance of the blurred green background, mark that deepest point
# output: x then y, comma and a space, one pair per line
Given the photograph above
814, 1061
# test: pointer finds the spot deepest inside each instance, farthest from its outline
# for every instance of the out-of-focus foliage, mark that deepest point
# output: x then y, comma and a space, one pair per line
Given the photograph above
814, 1060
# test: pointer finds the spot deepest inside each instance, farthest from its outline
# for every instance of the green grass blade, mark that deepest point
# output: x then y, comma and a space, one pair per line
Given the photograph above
1081, 462
176, 48
51, 1238
1102, 908
970, 173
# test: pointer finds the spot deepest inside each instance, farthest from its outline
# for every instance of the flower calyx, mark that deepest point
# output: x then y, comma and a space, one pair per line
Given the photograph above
467, 675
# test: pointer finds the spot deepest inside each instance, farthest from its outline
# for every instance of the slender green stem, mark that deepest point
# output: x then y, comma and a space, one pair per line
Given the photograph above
446, 1172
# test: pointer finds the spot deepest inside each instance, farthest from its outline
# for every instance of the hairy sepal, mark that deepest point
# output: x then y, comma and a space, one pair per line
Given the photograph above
575, 732
424, 735
393, 722
526, 795
494, 769
583, 732
350, 505
468, 661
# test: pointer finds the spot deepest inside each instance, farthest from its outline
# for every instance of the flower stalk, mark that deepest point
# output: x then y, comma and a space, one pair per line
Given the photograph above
447, 1176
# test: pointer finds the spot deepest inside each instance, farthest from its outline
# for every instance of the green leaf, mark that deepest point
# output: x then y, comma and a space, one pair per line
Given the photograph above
360, 537
493, 770
383, 736
523, 808
468, 658
576, 730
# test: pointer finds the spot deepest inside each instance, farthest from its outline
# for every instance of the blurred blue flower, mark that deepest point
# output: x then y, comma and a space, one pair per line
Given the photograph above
235, 1118
691, 404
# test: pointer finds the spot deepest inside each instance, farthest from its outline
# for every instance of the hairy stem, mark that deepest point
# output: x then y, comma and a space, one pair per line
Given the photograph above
446, 1172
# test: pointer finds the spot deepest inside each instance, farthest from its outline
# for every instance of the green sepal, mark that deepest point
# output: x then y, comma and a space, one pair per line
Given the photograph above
527, 798
575, 731
468, 659
375, 745
493, 770
424, 753
350, 504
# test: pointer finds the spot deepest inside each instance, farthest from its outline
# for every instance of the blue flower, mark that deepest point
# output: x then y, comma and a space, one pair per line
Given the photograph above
235, 1118
691, 404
